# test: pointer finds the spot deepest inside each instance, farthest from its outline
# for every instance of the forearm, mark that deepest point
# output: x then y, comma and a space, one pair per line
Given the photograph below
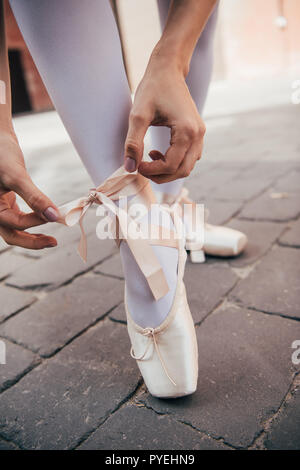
186, 20
5, 95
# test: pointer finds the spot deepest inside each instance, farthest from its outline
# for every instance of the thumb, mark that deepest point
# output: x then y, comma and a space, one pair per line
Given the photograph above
134, 144
39, 203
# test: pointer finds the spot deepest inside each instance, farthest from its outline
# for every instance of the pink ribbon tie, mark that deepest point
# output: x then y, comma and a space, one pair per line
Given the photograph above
119, 184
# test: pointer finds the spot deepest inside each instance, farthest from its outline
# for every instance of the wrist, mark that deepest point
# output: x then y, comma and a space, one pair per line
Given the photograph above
7, 130
168, 57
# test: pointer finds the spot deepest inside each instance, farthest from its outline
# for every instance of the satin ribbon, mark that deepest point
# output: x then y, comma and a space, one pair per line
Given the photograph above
151, 334
117, 185
179, 202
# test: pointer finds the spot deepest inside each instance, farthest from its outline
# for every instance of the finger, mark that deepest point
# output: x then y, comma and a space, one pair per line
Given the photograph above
167, 165
15, 219
27, 240
134, 144
159, 179
156, 155
186, 167
9, 199
180, 142
192, 156
37, 200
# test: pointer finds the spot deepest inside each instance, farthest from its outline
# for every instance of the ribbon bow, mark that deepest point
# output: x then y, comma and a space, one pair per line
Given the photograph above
117, 185
151, 334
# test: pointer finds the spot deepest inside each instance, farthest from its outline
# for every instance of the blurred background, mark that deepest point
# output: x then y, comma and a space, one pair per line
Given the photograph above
255, 42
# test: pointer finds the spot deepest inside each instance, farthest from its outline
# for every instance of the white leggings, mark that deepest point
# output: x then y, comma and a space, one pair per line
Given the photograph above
76, 48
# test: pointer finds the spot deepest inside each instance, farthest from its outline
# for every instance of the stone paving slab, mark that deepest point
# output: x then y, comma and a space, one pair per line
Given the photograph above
268, 171
111, 267
285, 430
18, 362
261, 235
239, 189
220, 212
136, 428
273, 286
4, 445
291, 237
236, 167
10, 262
289, 182
267, 208
201, 185
62, 266
13, 300
69, 395
254, 136
245, 370
204, 166
206, 285
224, 128
118, 314
49, 324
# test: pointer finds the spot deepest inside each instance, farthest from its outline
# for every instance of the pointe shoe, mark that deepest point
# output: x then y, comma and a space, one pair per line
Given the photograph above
218, 240
167, 356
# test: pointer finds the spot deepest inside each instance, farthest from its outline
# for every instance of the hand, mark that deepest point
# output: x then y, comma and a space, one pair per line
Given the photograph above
15, 179
163, 99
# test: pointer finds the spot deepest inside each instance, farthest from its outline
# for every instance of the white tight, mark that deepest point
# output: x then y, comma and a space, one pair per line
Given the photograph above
197, 80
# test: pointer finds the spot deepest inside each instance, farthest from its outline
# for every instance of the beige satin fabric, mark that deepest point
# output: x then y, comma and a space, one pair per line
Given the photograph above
150, 333
179, 201
117, 185
218, 240
167, 355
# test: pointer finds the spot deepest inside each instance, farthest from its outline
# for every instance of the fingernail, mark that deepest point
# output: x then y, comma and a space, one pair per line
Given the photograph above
130, 164
51, 244
51, 214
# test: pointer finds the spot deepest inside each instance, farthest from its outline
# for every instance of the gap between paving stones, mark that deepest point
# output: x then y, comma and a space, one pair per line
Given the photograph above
258, 441
103, 318
42, 359
4, 439
44, 287
18, 311
12, 382
109, 414
256, 196
200, 431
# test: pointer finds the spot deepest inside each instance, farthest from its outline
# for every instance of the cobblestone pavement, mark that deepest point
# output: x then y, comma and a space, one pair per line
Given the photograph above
69, 382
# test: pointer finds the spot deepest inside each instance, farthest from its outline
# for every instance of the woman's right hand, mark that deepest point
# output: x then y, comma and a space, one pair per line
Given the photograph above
15, 179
